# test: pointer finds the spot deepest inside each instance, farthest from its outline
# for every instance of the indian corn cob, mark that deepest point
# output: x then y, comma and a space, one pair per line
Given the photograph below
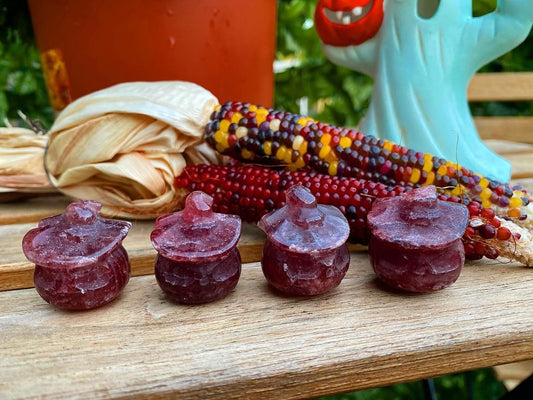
255, 134
251, 191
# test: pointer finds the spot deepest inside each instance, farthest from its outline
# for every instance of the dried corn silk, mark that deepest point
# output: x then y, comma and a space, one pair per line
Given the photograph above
21, 161
124, 145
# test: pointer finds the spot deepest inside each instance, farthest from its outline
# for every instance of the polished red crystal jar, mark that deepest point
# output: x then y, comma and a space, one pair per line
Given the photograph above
198, 261
80, 262
416, 241
305, 252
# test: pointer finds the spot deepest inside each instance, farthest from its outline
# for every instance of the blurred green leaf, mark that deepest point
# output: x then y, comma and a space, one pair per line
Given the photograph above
21, 82
22, 85
4, 106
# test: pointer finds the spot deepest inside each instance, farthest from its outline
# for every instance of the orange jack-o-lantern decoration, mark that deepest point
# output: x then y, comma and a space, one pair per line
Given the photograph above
348, 22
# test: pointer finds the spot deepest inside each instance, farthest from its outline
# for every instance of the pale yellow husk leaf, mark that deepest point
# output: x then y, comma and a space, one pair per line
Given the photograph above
124, 145
21, 161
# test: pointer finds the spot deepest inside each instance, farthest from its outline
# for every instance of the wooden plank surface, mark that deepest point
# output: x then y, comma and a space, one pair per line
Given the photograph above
508, 86
512, 374
32, 209
258, 344
519, 129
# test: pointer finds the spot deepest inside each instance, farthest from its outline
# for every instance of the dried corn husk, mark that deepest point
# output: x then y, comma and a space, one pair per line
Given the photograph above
124, 145
21, 161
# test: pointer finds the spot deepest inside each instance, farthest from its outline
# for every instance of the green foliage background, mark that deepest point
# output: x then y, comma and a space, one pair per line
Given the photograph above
335, 94
21, 78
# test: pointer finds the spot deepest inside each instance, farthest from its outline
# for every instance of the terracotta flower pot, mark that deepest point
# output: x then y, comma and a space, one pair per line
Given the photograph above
225, 46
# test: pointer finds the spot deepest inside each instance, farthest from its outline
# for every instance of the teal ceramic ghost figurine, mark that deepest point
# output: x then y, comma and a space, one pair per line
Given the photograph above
422, 55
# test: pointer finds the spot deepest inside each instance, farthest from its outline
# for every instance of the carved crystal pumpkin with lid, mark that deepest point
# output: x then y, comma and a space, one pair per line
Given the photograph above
80, 262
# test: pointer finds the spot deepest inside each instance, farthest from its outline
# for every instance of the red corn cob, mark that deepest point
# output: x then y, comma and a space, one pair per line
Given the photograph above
256, 134
252, 191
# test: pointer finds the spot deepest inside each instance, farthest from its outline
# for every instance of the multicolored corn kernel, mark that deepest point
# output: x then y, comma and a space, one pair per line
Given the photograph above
251, 191
256, 134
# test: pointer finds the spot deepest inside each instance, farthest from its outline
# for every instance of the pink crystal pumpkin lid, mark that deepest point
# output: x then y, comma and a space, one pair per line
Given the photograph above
418, 219
302, 225
196, 233
78, 237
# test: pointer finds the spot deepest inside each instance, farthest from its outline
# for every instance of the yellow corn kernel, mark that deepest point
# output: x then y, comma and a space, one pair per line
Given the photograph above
288, 156
219, 136
236, 117
299, 163
325, 139
303, 121
280, 154
485, 194
303, 148
430, 179
443, 169
486, 203
324, 151
224, 125
514, 212
274, 124
252, 107
388, 145
515, 202
267, 147
458, 190
346, 142
428, 165
220, 147
297, 142
260, 115
331, 157
484, 182
415, 175
261, 111
332, 169
217, 107
241, 131
260, 119
247, 154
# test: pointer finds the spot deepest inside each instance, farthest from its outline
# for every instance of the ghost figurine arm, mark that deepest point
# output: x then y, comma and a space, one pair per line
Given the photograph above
494, 34
360, 58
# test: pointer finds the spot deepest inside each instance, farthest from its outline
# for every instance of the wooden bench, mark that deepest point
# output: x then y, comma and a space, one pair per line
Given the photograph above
509, 86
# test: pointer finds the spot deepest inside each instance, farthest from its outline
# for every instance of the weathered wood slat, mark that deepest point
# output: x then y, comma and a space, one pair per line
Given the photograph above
511, 86
508, 86
517, 129
32, 209
514, 373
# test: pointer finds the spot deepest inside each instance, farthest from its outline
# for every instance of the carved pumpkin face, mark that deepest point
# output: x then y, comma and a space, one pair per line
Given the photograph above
348, 22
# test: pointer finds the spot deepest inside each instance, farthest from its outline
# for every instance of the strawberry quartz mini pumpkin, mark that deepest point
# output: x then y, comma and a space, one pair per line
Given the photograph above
80, 262
416, 240
198, 261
